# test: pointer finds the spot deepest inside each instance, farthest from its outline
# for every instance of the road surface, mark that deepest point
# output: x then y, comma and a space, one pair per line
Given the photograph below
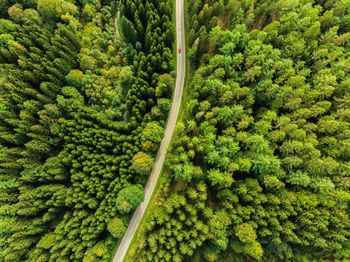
116, 28
174, 111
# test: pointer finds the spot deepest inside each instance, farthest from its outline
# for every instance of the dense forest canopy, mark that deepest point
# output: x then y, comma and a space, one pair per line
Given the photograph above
260, 162
258, 170
83, 100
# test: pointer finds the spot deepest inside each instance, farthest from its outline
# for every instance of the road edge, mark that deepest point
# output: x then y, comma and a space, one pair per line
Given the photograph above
169, 131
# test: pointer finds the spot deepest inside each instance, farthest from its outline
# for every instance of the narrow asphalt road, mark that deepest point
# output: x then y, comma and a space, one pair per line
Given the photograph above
116, 29
174, 111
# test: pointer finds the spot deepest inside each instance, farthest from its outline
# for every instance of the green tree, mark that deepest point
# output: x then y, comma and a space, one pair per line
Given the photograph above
219, 179
116, 227
152, 136
16, 13
142, 163
129, 198
53, 9
74, 78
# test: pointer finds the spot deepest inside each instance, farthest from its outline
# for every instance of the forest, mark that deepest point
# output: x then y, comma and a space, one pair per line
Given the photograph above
84, 96
260, 163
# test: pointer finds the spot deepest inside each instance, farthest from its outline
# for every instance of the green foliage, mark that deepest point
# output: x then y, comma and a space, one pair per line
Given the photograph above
116, 227
129, 198
177, 227
75, 102
165, 86
219, 179
142, 163
87, 63
16, 13
100, 249
266, 124
74, 78
152, 135
53, 9
245, 233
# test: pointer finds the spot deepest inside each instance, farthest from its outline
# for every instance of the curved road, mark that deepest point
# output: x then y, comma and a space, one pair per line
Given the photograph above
174, 111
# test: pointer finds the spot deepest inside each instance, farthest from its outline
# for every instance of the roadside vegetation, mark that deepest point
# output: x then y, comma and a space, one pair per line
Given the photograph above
82, 113
259, 163
258, 168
